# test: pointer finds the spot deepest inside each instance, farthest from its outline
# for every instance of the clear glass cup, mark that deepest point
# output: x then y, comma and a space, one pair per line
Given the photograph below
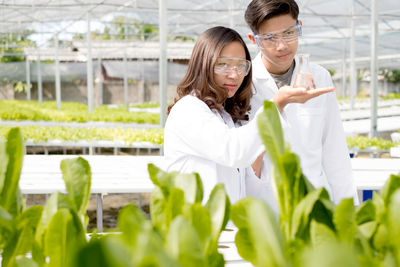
303, 76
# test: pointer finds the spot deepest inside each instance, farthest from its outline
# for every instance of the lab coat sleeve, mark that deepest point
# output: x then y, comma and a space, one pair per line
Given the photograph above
203, 134
283, 118
335, 155
258, 100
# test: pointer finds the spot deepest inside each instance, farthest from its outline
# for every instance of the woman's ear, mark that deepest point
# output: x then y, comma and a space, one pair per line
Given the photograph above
251, 37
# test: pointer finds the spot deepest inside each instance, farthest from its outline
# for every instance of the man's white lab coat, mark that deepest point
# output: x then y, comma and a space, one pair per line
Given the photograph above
314, 131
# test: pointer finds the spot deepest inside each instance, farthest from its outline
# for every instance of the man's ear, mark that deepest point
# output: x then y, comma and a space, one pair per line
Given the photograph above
251, 37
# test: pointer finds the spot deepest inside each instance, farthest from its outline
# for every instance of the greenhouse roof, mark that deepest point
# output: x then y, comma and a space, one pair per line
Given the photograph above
326, 24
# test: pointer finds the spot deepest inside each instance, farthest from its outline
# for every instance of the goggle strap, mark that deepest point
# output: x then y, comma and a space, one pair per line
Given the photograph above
300, 27
256, 39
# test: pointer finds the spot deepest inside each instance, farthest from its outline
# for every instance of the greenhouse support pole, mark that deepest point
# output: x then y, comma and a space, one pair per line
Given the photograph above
344, 69
28, 79
99, 212
125, 29
385, 87
89, 65
126, 81
374, 69
231, 18
141, 85
57, 74
163, 61
39, 80
100, 81
353, 71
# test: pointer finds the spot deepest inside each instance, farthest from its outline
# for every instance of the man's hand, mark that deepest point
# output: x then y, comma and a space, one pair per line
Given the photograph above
288, 94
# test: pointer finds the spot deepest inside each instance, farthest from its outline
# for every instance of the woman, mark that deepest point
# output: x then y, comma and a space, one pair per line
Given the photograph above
202, 132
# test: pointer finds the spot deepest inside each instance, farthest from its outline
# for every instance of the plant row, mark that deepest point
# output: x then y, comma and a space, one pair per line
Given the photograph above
145, 105
364, 142
70, 112
391, 96
128, 136
388, 96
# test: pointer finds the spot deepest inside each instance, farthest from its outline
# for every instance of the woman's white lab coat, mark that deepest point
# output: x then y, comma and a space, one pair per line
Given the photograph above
314, 131
198, 139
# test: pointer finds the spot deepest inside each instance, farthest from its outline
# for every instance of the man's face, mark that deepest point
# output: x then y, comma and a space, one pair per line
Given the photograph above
278, 40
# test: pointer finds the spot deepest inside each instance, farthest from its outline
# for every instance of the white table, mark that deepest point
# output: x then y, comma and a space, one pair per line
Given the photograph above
395, 151
372, 173
363, 126
41, 174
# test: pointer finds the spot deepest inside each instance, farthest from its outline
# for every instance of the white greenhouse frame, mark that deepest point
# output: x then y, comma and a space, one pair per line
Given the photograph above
336, 33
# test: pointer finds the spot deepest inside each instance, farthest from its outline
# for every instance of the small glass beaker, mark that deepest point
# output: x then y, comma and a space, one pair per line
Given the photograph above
303, 77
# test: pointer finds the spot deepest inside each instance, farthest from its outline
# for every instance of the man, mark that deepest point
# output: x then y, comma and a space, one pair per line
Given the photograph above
310, 117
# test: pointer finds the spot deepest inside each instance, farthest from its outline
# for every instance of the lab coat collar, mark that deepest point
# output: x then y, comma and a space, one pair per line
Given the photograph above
259, 70
296, 68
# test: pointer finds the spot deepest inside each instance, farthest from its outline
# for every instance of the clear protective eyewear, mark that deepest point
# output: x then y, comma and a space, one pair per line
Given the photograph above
225, 65
271, 39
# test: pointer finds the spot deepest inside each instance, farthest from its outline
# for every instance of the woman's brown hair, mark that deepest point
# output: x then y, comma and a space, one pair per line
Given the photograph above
199, 77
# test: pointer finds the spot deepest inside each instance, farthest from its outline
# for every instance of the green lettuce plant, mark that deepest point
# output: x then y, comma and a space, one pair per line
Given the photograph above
311, 230
181, 232
50, 235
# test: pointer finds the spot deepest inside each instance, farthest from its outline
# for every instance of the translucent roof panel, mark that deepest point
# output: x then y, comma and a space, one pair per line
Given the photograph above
326, 23
327, 30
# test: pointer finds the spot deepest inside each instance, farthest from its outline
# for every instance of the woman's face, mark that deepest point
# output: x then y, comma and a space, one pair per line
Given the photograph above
231, 67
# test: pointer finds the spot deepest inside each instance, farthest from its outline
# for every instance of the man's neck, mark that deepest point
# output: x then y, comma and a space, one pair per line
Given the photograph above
278, 71
274, 69
283, 79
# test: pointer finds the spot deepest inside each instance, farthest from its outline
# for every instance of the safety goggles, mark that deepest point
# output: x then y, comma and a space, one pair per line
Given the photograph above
271, 39
226, 65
